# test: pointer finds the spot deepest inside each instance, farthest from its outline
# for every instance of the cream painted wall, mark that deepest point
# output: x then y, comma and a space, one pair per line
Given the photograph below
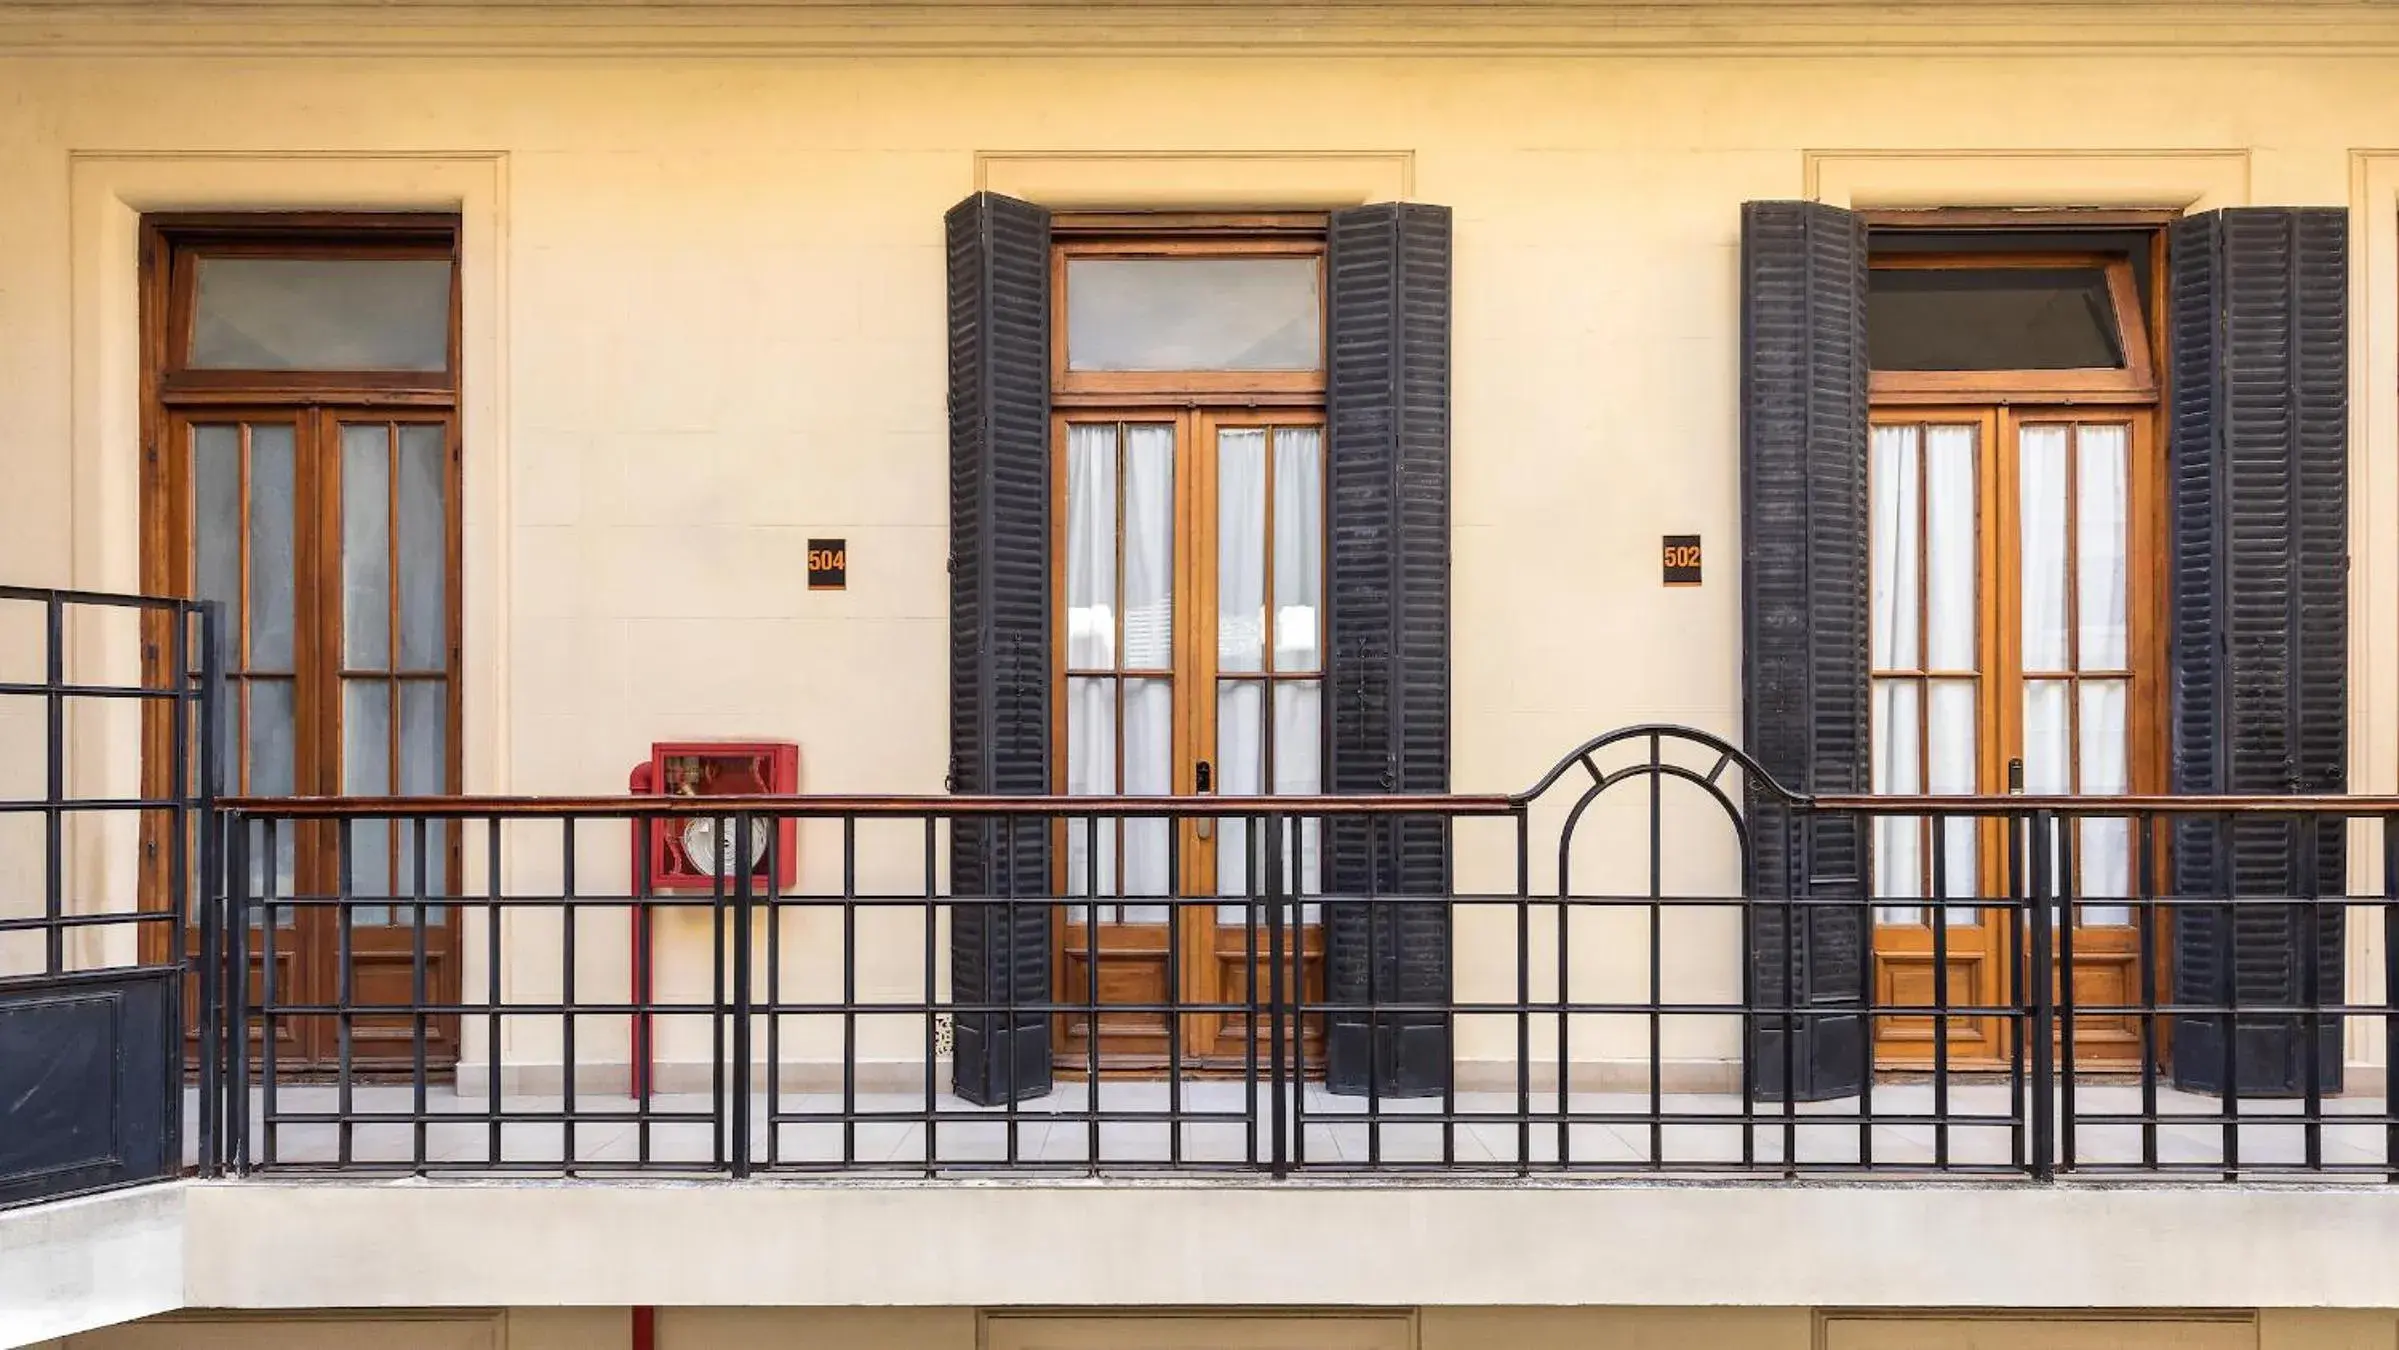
1483, 1328
713, 328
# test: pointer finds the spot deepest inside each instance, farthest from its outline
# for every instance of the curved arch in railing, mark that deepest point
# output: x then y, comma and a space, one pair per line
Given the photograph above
1728, 756
1655, 765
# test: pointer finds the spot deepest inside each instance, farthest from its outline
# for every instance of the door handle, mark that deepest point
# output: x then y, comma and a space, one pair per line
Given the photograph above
1203, 783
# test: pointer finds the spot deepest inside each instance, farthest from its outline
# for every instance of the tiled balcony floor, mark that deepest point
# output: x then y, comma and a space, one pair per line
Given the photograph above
1705, 1136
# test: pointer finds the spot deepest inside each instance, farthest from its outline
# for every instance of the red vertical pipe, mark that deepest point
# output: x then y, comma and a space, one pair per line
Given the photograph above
645, 1329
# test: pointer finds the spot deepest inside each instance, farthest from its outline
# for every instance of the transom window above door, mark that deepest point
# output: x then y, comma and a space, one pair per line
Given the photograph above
1980, 314
250, 307
1191, 313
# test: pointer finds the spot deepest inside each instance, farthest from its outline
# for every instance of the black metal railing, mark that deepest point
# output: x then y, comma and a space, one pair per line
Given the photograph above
1671, 941
98, 852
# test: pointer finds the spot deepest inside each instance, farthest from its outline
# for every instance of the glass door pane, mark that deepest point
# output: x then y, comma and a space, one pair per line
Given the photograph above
244, 540
394, 671
1926, 594
1120, 657
2073, 489
1269, 559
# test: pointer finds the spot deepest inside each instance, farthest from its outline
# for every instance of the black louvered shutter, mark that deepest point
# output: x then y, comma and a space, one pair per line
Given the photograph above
1804, 615
1388, 729
2259, 463
999, 267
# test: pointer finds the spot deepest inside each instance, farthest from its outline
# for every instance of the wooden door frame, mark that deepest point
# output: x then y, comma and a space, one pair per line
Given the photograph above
314, 403
2009, 397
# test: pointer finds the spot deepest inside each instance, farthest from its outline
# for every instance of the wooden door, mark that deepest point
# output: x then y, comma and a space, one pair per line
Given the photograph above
330, 535
2015, 636
301, 466
1191, 658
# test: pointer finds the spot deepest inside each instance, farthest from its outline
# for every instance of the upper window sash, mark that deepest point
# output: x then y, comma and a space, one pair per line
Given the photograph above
415, 367
1269, 385
2134, 380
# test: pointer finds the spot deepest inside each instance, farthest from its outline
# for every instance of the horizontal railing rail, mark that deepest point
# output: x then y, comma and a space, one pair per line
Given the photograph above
1630, 962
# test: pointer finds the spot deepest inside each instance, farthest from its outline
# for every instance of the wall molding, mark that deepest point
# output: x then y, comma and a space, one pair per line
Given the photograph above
108, 193
1530, 28
1195, 180
2178, 179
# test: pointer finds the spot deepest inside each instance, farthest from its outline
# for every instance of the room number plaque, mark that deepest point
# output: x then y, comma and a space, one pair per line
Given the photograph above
1682, 560
828, 564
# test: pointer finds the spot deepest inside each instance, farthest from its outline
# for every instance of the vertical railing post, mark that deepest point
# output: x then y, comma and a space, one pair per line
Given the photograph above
209, 894
2390, 987
1277, 1073
738, 1086
54, 794
2039, 982
2311, 995
237, 992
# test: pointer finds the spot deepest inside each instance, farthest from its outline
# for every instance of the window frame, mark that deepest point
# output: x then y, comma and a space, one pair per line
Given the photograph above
1135, 236
173, 245
2134, 382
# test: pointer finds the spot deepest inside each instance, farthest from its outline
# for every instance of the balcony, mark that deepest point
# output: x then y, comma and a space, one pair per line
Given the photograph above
1620, 1000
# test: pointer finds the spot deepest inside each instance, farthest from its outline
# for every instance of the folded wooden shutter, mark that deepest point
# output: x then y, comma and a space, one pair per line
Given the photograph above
1804, 614
2259, 463
1388, 410
999, 269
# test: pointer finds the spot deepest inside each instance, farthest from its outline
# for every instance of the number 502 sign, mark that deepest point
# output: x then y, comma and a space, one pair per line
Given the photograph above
1682, 560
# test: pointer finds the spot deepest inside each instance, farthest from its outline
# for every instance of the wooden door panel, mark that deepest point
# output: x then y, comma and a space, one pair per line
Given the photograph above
1236, 971
1977, 978
292, 1044
2106, 974
1133, 967
383, 973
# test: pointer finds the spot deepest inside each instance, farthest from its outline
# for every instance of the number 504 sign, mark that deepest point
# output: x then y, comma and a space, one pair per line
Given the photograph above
828, 564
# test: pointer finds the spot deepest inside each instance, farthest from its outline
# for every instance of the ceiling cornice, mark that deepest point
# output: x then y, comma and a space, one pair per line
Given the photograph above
615, 28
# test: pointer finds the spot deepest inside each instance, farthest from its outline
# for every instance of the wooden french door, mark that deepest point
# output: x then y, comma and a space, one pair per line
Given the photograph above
331, 536
2015, 629
1191, 660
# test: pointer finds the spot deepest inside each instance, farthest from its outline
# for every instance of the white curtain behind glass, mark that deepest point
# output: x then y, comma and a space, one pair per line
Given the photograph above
1298, 600
1924, 591
1090, 645
1245, 709
1951, 605
1149, 743
2101, 596
1897, 742
2073, 504
1112, 749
